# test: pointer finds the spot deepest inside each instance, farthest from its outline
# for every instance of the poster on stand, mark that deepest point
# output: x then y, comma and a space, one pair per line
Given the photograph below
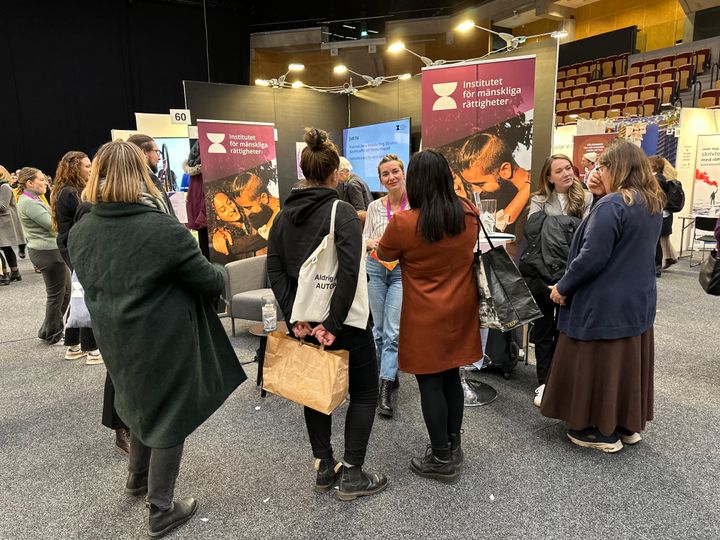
480, 116
707, 176
585, 144
240, 185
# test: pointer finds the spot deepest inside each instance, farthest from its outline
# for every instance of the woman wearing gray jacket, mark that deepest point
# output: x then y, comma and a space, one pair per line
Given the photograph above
559, 194
11, 233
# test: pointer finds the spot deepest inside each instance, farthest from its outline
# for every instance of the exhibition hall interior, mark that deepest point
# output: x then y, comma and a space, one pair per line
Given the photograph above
439, 269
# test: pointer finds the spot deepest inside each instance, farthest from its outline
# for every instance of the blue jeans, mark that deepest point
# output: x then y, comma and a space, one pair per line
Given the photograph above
385, 292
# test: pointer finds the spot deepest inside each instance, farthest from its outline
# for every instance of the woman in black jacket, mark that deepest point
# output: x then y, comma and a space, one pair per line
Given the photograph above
297, 231
71, 176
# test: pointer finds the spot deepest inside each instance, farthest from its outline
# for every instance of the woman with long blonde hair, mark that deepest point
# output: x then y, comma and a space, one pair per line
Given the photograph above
11, 233
556, 209
601, 381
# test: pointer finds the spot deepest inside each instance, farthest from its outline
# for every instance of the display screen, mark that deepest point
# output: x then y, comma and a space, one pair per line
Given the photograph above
365, 146
175, 150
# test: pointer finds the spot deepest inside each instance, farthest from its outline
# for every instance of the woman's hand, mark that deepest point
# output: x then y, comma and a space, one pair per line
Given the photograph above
323, 335
372, 243
221, 239
595, 184
555, 296
301, 329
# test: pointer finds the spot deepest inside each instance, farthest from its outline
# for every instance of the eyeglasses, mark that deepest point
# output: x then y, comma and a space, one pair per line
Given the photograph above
156, 150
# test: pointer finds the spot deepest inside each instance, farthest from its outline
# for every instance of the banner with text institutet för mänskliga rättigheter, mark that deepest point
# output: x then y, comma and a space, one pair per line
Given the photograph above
480, 116
239, 168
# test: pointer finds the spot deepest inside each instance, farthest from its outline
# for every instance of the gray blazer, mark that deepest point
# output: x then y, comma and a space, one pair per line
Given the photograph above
551, 204
11, 233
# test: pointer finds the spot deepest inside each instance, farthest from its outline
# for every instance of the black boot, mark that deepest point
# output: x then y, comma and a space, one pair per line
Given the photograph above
456, 451
5, 279
161, 522
328, 471
437, 464
396, 383
137, 484
385, 400
355, 483
15, 275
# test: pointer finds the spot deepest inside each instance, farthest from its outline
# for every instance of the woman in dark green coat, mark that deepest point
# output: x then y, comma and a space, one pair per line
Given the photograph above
150, 294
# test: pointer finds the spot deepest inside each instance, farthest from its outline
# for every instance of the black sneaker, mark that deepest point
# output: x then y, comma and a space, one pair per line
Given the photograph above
592, 438
433, 466
355, 483
328, 472
161, 522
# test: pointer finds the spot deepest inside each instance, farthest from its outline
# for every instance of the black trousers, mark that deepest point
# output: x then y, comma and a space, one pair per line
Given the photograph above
204, 242
80, 336
363, 375
57, 287
543, 332
110, 416
162, 466
10, 256
441, 399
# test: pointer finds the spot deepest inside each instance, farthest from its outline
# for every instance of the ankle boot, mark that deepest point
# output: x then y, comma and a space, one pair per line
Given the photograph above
396, 383
355, 483
328, 471
161, 522
385, 400
15, 275
456, 451
136, 484
122, 441
5, 279
436, 464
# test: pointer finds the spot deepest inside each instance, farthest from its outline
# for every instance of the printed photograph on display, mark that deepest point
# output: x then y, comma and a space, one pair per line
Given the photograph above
480, 116
240, 185
707, 177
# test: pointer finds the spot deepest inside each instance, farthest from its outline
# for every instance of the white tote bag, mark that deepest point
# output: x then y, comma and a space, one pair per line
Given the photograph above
317, 280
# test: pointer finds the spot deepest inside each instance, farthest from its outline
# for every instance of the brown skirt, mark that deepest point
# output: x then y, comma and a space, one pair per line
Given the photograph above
602, 383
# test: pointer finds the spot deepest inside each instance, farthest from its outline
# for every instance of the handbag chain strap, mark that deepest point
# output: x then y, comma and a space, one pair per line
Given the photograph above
487, 236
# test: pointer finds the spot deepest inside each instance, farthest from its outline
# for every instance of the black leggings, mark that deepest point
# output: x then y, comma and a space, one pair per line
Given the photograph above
10, 256
543, 331
441, 398
363, 375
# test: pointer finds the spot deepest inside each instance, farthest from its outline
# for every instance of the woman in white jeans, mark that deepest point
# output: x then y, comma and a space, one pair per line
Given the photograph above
385, 285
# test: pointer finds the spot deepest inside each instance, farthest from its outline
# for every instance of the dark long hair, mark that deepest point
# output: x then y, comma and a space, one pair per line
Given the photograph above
430, 190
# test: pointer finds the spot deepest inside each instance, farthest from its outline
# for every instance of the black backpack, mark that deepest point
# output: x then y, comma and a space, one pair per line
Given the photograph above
675, 196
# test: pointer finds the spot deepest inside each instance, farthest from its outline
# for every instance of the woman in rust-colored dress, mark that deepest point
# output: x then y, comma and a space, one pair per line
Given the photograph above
434, 243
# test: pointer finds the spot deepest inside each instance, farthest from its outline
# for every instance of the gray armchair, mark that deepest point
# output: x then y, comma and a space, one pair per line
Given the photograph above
245, 286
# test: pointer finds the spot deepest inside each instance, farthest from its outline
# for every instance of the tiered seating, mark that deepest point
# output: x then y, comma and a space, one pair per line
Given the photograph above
710, 99
607, 87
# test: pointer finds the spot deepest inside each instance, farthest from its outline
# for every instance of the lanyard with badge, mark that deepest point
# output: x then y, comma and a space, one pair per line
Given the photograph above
390, 265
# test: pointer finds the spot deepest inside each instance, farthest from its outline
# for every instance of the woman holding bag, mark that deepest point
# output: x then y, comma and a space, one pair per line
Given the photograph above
297, 232
385, 283
434, 243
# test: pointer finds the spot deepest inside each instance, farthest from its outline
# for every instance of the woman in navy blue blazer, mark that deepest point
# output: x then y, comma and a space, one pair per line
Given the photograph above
601, 379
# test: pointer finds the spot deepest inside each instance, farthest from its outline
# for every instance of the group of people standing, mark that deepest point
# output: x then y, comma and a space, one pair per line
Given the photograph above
139, 266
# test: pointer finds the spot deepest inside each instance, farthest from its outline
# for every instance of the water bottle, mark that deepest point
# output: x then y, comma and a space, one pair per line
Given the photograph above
269, 315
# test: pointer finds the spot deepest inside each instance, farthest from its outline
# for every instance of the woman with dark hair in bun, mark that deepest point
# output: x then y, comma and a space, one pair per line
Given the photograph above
297, 231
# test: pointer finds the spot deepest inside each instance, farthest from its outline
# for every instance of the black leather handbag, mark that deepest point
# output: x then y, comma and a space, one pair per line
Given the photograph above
710, 275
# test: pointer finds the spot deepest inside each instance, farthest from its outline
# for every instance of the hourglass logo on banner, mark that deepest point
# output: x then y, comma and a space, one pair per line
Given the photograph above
216, 147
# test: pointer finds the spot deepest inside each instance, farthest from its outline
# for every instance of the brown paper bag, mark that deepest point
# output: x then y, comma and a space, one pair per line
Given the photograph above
305, 373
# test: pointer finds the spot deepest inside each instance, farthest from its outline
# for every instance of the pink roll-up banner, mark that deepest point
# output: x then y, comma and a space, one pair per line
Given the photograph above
480, 116
240, 185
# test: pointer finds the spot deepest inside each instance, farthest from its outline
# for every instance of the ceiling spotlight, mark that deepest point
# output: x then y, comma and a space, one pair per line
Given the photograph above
465, 26
297, 84
262, 82
340, 69
296, 67
396, 47
559, 34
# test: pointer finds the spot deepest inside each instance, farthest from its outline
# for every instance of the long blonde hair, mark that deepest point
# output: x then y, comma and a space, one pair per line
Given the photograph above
118, 172
5, 175
631, 175
576, 193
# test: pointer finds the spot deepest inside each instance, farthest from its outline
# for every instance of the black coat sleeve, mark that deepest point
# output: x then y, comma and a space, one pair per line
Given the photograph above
66, 207
348, 244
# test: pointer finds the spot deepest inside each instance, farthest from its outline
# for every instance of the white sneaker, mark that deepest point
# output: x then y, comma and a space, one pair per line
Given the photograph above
94, 358
74, 353
539, 391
